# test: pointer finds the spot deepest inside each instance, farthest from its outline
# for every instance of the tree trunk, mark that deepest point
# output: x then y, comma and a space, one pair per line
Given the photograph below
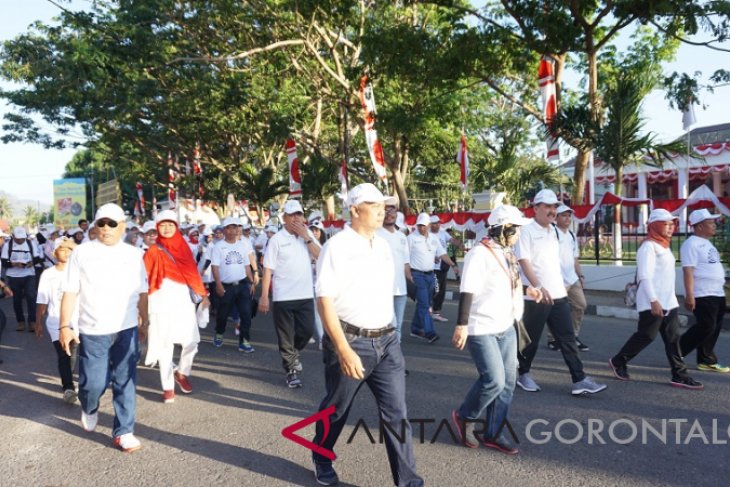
581, 163
594, 105
398, 167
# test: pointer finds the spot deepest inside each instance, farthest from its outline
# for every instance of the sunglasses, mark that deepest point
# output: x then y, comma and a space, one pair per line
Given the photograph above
106, 223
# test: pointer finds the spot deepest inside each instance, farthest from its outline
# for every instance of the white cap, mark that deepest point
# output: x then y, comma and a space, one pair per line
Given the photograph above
506, 215
660, 215
193, 229
698, 216
423, 219
63, 242
166, 216
391, 200
293, 206
317, 223
207, 232
434, 219
110, 211
563, 209
19, 232
315, 215
546, 196
271, 229
232, 220
364, 193
400, 220
148, 226
74, 231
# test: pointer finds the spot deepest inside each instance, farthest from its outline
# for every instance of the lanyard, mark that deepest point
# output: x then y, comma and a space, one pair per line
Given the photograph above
510, 277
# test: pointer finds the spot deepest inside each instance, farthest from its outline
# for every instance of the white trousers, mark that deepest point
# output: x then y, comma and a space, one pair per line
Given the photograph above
167, 366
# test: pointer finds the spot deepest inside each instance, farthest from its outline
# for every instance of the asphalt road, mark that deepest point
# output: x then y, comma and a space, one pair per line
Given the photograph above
228, 432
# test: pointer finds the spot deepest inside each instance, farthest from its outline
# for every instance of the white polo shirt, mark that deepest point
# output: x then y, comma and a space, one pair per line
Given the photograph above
569, 251
21, 253
444, 239
50, 293
424, 251
108, 280
357, 274
540, 246
231, 259
290, 262
703, 257
655, 274
490, 311
398, 244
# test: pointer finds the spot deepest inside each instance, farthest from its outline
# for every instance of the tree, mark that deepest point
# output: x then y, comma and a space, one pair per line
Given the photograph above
6, 209
31, 216
261, 187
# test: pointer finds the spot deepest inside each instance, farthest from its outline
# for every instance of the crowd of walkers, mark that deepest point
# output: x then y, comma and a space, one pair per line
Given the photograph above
104, 288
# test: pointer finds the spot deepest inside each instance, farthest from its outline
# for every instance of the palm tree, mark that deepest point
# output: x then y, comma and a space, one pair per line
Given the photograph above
260, 186
620, 141
6, 210
31, 216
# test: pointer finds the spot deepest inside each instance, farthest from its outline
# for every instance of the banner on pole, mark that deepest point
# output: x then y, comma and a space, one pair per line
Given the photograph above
462, 157
69, 197
295, 177
367, 99
546, 80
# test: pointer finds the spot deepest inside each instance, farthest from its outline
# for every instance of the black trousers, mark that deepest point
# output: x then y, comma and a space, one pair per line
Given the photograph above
294, 322
703, 335
66, 364
24, 288
438, 298
238, 295
3, 322
649, 326
557, 317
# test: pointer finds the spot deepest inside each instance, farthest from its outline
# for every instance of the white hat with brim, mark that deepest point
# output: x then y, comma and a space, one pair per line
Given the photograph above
547, 197
74, 231
232, 220
364, 193
507, 215
166, 216
19, 232
317, 223
563, 209
110, 211
391, 201
64, 242
149, 226
435, 219
698, 216
293, 206
423, 219
660, 215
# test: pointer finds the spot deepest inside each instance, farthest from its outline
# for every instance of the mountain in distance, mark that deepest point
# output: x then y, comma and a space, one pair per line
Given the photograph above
18, 205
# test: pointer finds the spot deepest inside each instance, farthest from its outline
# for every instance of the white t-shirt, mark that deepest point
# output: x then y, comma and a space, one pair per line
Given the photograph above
206, 274
540, 246
569, 251
108, 280
490, 312
357, 274
231, 259
655, 273
398, 244
50, 294
290, 263
424, 251
444, 239
21, 253
260, 242
703, 257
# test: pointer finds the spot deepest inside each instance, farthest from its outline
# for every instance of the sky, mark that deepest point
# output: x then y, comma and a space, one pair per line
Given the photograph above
27, 171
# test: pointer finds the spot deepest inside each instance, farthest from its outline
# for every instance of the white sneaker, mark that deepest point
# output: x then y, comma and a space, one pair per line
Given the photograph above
527, 384
127, 443
88, 421
438, 317
587, 386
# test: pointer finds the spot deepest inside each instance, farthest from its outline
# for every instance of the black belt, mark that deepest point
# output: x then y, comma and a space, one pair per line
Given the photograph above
234, 283
366, 332
422, 272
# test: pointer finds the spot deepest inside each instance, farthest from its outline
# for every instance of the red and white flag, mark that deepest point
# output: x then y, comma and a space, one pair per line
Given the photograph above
342, 176
295, 177
154, 207
171, 175
367, 99
140, 198
546, 79
462, 157
197, 168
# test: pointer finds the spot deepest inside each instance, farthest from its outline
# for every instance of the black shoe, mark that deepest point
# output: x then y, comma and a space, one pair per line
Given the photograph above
406, 371
686, 383
293, 380
553, 345
581, 346
432, 337
324, 474
501, 444
621, 372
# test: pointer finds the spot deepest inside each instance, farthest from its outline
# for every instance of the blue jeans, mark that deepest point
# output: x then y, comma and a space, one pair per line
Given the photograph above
105, 358
495, 358
422, 321
385, 376
399, 307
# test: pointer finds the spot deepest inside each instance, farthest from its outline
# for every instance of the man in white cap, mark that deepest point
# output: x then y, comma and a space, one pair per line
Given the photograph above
656, 302
234, 270
288, 264
440, 267
425, 249
704, 278
149, 234
572, 275
108, 280
19, 256
355, 298
398, 244
538, 253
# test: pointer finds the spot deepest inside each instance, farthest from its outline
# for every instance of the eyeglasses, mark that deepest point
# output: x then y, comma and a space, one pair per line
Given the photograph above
104, 222
391, 208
